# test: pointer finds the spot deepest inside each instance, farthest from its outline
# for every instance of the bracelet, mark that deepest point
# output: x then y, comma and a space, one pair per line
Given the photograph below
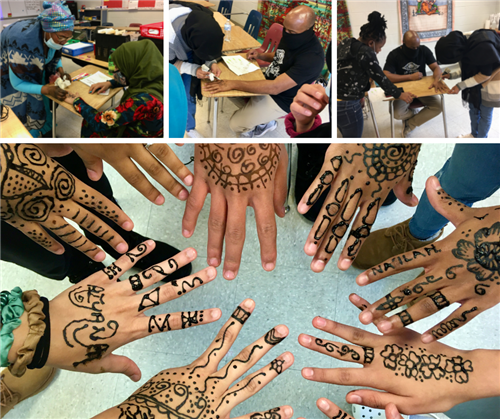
34, 307
12, 309
43, 347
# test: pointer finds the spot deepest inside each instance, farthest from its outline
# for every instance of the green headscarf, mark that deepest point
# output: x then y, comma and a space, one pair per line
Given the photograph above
142, 64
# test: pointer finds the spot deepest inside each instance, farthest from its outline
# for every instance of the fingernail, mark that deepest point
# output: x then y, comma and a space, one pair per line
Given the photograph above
308, 112
188, 180
362, 279
191, 253
345, 264
355, 298
248, 303
211, 272
60, 251
160, 200
215, 314
128, 225
186, 233
318, 266
366, 317
92, 174
229, 275
320, 321
288, 412
135, 378
149, 243
323, 404
287, 358
311, 249
427, 338
384, 326
281, 331
436, 184
183, 195
121, 247
269, 266
213, 262
100, 256
307, 372
354, 398
306, 339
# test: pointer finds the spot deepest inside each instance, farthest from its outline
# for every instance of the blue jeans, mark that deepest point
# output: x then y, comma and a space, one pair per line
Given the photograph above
191, 100
480, 120
350, 118
471, 174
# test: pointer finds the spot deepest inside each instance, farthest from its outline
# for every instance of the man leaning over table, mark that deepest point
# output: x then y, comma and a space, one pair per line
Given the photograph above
298, 60
407, 63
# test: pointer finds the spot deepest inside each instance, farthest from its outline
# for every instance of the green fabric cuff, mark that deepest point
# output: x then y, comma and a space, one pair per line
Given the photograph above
12, 309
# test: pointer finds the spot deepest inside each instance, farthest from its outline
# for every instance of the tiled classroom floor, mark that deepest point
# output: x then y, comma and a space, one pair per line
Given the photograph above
292, 294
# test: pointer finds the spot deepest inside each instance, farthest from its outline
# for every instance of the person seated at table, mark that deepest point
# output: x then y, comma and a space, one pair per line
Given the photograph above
139, 66
298, 60
31, 53
479, 58
195, 38
407, 63
357, 63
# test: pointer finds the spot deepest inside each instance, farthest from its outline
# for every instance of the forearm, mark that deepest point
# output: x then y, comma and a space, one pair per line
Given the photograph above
396, 78
266, 56
113, 413
485, 378
438, 73
24, 86
268, 87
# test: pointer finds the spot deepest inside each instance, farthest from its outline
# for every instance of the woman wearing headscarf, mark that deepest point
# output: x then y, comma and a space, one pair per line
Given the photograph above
139, 66
195, 38
31, 53
479, 59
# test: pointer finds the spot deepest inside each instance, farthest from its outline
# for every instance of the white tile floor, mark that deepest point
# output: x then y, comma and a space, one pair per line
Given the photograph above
291, 294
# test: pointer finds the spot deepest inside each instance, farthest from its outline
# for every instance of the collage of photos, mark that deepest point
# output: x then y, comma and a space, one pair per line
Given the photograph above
198, 276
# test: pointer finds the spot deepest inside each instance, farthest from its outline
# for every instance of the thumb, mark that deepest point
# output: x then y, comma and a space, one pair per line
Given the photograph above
92, 163
122, 365
392, 412
448, 207
281, 183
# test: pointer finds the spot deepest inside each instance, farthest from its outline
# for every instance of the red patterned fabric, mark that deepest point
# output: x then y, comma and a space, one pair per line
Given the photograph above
274, 11
344, 29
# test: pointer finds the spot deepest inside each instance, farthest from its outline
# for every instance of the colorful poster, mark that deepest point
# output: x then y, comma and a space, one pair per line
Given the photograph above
344, 29
432, 19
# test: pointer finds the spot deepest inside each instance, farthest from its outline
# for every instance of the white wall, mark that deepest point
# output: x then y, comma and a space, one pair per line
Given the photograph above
469, 15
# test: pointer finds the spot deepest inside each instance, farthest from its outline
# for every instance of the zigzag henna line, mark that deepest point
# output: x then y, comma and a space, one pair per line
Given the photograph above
76, 215
377, 191
192, 285
90, 250
58, 228
352, 157
242, 388
368, 354
161, 327
405, 317
451, 325
329, 346
228, 366
90, 225
97, 230
74, 241
215, 349
80, 245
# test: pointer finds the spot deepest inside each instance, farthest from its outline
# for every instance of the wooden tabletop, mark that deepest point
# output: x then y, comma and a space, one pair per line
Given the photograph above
240, 39
12, 127
419, 88
201, 2
89, 57
82, 90
229, 75
221, 19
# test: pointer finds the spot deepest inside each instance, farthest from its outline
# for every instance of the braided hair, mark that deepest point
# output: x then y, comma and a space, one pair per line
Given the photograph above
374, 30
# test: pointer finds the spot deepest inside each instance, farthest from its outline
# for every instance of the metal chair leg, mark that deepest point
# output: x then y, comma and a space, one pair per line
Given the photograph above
209, 109
289, 150
373, 116
444, 117
391, 111
214, 129
221, 105
53, 119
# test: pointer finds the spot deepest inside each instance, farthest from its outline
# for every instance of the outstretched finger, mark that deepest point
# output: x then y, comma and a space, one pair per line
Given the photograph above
214, 354
365, 377
157, 323
281, 184
234, 238
216, 228
267, 233
128, 260
362, 305
348, 333
117, 364
331, 410
194, 205
285, 412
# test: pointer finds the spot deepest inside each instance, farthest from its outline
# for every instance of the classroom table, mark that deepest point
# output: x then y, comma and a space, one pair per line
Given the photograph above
201, 2
419, 88
12, 127
227, 74
87, 58
240, 39
82, 90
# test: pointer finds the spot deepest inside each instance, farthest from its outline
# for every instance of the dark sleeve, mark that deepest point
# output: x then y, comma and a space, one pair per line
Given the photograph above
487, 70
115, 84
369, 63
429, 56
306, 68
390, 63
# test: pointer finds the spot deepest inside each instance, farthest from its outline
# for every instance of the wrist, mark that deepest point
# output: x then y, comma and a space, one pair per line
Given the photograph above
302, 127
484, 382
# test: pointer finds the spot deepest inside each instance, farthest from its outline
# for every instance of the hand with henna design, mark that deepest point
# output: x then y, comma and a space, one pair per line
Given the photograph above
39, 195
357, 176
331, 410
417, 378
201, 389
100, 314
464, 267
126, 157
237, 176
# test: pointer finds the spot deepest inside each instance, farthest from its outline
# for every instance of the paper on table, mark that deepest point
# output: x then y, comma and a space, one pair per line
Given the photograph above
133, 4
239, 65
95, 78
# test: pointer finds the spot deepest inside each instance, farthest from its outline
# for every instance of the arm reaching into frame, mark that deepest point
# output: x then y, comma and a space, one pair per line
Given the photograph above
359, 176
463, 267
38, 192
100, 314
237, 176
201, 389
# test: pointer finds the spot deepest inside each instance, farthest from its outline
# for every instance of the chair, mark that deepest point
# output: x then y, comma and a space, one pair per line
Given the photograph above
107, 24
271, 42
253, 22
225, 7
135, 25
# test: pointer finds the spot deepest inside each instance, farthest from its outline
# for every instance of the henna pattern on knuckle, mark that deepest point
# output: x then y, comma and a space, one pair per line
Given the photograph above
141, 249
446, 327
326, 180
240, 315
390, 303
240, 168
270, 414
271, 338
112, 271
189, 319
405, 317
340, 415
277, 365
363, 231
368, 355
156, 321
150, 299
439, 300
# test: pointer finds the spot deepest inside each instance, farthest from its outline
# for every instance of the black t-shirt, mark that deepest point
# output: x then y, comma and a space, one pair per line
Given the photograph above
302, 66
398, 63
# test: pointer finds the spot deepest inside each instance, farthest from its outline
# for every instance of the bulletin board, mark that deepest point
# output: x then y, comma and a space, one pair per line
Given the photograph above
20, 8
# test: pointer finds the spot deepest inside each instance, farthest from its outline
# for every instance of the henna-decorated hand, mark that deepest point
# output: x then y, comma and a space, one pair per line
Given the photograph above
464, 267
38, 192
124, 157
331, 410
417, 378
100, 314
359, 176
237, 176
201, 390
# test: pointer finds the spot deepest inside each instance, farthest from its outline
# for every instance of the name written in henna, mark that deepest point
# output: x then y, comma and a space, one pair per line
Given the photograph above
400, 260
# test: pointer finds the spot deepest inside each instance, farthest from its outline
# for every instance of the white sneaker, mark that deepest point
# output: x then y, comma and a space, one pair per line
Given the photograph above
194, 134
248, 134
261, 129
466, 136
